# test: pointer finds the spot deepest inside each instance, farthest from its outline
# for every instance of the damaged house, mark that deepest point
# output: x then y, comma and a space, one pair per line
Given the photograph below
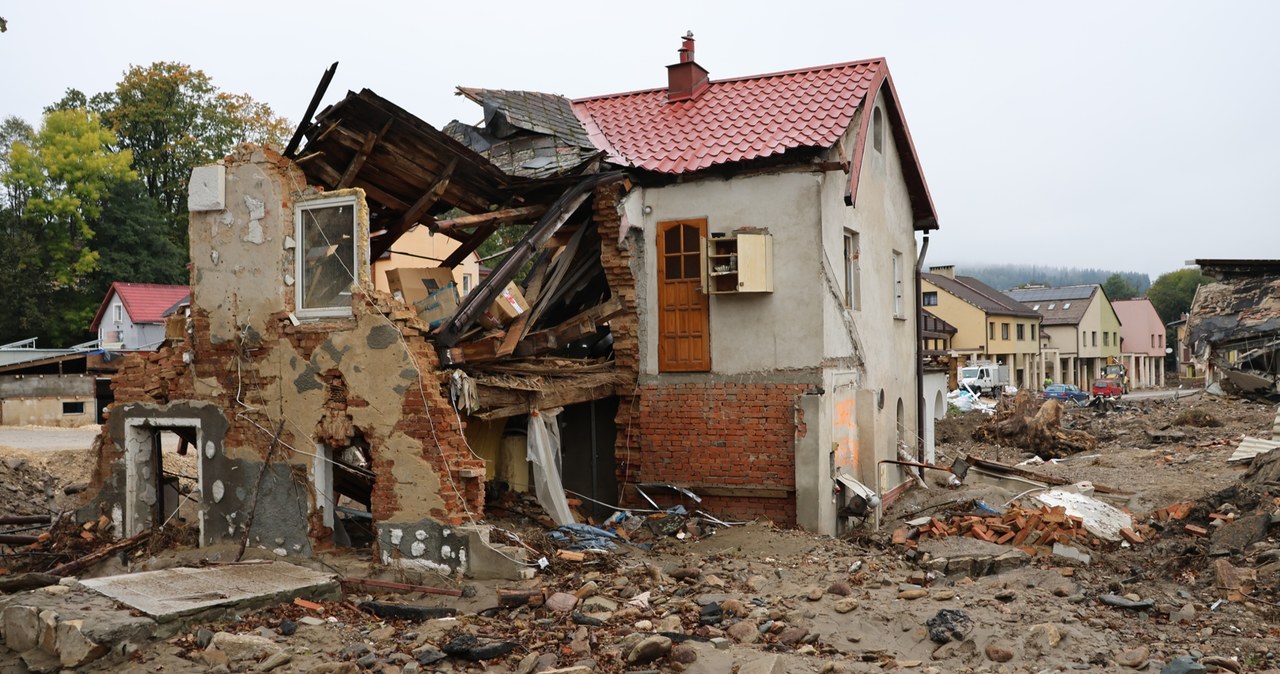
713, 288
1233, 329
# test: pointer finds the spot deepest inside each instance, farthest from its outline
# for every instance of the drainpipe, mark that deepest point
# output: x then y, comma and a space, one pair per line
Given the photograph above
924, 248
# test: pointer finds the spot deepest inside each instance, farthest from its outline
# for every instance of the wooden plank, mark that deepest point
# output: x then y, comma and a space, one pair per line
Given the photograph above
514, 332
469, 245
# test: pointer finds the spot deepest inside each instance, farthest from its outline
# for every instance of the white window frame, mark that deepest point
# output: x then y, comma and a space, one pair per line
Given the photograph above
299, 211
117, 312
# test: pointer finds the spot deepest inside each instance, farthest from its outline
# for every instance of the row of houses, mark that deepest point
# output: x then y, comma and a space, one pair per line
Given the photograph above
1066, 335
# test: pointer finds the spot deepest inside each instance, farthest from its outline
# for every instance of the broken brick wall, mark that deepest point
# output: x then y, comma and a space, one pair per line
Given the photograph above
370, 379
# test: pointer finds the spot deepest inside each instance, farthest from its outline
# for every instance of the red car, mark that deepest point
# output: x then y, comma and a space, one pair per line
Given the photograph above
1108, 387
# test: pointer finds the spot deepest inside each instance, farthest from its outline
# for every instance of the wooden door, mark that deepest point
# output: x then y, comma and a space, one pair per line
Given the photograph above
684, 320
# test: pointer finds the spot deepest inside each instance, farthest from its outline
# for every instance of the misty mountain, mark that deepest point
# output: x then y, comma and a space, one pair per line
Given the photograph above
1006, 276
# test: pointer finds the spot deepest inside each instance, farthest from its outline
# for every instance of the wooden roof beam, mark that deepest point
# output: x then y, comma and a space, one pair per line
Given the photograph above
497, 218
417, 213
357, 162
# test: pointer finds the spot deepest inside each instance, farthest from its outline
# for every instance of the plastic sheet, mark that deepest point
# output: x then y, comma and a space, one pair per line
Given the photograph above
544, 454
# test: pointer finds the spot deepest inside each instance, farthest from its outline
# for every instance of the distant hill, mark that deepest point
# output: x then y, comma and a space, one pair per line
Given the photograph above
1006, 276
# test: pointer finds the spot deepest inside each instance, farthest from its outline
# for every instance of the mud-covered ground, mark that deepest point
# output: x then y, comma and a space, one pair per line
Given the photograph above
758, 599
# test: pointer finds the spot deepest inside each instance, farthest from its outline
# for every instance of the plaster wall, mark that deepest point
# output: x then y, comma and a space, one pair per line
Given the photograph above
37, 400
1141, 330
750, 332
970, 321
882, 217
1099, 317
366, 378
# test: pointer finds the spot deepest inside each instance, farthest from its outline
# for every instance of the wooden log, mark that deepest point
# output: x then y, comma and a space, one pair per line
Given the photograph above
407, 612
17, 539
26, 519
404, 587
27, 581
519, 597
76, 565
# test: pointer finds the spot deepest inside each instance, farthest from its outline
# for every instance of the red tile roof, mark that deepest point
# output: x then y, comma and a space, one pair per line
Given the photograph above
733, 120
145, 302
754, 117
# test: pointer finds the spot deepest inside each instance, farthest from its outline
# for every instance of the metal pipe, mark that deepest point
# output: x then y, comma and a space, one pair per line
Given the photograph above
919, 303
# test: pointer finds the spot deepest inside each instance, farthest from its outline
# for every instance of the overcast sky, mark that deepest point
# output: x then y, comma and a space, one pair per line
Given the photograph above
1122, 135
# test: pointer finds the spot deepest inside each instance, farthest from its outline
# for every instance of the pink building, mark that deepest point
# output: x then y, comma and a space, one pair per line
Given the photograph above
1142, 342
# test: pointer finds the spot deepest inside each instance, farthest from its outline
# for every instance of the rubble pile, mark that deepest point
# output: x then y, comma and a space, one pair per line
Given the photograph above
1030, 529
1029, 423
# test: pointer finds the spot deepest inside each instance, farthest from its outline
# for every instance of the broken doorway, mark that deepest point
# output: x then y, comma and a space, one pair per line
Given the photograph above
163, 475
587, 436
343, 484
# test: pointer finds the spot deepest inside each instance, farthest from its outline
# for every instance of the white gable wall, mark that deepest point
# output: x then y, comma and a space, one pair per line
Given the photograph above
864, 424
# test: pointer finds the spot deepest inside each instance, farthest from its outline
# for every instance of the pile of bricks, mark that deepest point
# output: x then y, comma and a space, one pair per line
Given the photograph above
1032, 530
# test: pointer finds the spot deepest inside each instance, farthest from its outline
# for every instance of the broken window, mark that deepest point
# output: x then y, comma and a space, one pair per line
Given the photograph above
877, 130
897, 285
326, 256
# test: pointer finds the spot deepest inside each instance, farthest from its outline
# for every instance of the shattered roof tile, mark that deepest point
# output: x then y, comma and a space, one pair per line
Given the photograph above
535, 111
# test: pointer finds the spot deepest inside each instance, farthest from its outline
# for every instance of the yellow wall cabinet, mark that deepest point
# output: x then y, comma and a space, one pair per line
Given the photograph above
741, 262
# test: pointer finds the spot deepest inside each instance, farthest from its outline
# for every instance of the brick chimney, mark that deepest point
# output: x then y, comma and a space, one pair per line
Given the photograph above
947, 270
686, 80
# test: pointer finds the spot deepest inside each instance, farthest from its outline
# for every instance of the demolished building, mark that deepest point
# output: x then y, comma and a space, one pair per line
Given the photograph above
1234, 325
713, 290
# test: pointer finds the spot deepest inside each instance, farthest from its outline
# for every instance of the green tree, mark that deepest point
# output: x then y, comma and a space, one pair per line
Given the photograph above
131, 246
1172, 293
1119, 288
65, 172
173, 119
58, 183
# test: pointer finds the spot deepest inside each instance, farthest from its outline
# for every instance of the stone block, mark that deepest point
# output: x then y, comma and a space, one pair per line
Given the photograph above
244, 646
770, 664
21, 628
207, 190
48, 632
74, 648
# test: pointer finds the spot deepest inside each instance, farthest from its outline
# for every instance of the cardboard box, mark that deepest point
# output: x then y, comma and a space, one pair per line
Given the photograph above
438, 305
508, 305
412, 285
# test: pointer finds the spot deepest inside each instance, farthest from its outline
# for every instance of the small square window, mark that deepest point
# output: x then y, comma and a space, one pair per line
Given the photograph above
326, 257
930, 299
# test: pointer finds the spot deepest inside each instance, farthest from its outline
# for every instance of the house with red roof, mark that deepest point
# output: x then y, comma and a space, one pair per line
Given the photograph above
777, 219
131, 316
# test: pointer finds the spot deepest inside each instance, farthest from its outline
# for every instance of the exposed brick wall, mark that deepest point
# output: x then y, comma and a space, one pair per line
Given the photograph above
722, 434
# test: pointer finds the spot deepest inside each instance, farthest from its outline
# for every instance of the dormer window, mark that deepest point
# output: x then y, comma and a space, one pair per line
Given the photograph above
1051, 306
1036, 308
1066, 306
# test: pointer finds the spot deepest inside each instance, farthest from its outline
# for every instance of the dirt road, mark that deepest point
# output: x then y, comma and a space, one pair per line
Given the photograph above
44, 439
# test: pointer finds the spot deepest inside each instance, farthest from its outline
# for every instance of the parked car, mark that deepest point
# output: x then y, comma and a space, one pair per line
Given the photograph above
1108, 387
1065, 392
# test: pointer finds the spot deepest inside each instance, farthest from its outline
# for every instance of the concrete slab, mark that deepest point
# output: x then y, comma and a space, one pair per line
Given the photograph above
174, 593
